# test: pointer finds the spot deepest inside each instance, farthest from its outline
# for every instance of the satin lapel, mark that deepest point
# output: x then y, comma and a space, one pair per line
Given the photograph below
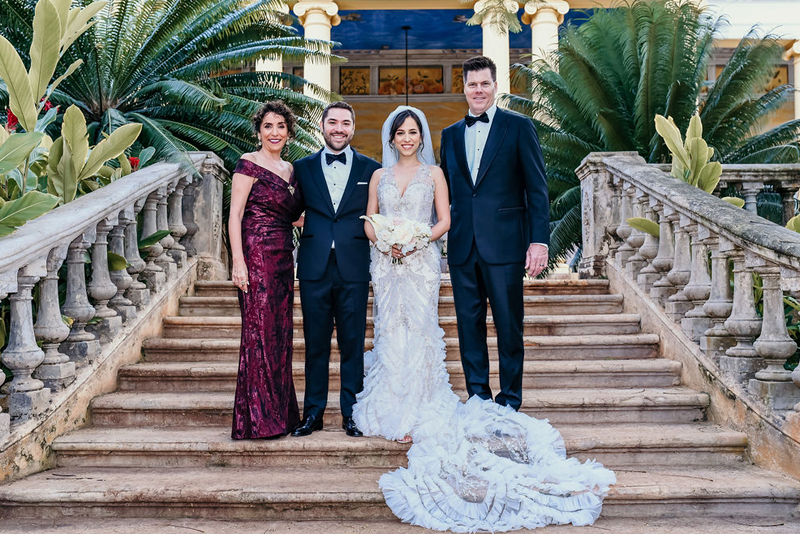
461, 150
356, 171
318, 177
496, 135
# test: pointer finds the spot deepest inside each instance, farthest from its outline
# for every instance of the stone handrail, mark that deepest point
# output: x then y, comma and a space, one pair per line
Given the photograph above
165, 197
749, 180
747, 349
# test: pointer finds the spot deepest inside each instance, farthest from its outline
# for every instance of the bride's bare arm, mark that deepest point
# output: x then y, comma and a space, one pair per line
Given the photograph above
372, 204
441, 201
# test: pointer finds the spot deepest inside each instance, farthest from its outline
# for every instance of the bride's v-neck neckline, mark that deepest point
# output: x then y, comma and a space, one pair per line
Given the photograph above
411, 181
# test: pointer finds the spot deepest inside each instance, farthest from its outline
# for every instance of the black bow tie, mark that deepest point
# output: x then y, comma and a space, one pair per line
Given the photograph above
483, 117
330, 158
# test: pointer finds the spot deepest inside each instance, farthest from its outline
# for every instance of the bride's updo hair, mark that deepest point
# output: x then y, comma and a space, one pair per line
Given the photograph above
398, 121
279, 108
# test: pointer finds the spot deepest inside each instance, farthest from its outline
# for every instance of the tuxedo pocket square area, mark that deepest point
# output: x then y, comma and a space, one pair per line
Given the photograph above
362, 183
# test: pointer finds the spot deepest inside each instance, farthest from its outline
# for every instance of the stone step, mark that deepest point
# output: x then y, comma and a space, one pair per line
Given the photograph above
221, 376
560, 406
352, 494
616, 525
612, 445
225, 288
578, 348
533, 325
534, 305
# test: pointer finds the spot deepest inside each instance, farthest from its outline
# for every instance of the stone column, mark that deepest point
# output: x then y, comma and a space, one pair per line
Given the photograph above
599, 220
716, 340
741, 361
788, 201
678, 304
188, 218
274, 63
614, 219
56, 371
794, 54
81, 346
165, 259
624, 230
27, 395
544, 18
662, 288
750, 192
153, 273
317, 18
175, 220
137, 293
101, 288
495, 40
8, 284
774, 383
207, 241
636, 239
121, 279
649, 274
695, 322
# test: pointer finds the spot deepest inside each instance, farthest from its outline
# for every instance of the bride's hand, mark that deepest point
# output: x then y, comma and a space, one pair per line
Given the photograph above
397, 253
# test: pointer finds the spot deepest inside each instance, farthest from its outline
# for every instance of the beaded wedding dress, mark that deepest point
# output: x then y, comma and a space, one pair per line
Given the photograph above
474, 466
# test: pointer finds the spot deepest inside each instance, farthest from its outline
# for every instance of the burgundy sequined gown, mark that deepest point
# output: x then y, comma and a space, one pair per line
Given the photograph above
266, 404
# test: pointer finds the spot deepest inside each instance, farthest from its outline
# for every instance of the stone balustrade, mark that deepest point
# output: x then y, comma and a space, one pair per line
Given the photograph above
704, 243
185, 202
750, 180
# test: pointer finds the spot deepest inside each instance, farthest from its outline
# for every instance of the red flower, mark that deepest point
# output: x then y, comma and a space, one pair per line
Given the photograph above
134, 162
47, 106
12, 121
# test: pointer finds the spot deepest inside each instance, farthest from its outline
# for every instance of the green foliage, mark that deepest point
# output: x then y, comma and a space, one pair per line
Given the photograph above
117, 262
736, 201
645, 225
152, 239
691, 159
603, 87
171, 66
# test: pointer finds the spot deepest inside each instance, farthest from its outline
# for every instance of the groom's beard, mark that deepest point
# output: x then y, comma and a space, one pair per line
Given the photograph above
337, 143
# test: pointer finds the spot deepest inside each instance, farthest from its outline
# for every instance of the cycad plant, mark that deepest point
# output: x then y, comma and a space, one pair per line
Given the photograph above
174, 66
622, 67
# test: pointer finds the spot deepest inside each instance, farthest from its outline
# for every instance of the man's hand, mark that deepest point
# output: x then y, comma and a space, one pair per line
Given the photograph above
535, 259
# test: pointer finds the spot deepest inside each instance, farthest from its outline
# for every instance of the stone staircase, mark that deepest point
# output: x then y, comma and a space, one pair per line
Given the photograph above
159, 449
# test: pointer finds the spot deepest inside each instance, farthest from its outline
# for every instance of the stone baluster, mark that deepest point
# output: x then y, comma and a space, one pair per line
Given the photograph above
636, 239
615, 223
27, 396
56, 371
175, 219
165, 259
789, 204
121, 279
101, 288
716, 340
662, 288
137, 293
750, 192
741, 362
678, 304
81, 346
153, 273
649, 250
8, 284
624, 230
695, 322
189, 218
773, 384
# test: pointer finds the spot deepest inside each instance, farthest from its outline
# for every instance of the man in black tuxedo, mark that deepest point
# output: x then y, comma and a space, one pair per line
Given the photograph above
333, 265
500, 228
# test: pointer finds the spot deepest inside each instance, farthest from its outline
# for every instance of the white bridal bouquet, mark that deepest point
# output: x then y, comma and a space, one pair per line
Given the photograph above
406, 234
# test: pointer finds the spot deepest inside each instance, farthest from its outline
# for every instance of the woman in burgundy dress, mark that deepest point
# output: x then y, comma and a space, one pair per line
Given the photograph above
264, 204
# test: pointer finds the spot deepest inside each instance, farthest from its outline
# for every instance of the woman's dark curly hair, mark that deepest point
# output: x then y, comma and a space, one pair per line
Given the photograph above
279, 108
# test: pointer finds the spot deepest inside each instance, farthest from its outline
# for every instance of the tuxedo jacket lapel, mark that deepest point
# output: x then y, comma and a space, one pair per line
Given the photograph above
319, 180
356, 170
461, 150
496, 135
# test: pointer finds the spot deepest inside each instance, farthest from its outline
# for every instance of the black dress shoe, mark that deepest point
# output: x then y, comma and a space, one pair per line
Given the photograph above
310, 424
350, 428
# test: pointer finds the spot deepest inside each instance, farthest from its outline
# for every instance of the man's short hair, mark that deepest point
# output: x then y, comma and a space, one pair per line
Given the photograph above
477, 63
339, 105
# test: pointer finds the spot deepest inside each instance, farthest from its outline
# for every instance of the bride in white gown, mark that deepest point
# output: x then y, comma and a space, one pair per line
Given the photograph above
474, 466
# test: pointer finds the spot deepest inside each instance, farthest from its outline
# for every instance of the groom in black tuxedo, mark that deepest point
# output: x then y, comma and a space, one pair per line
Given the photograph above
333, 265
500, 228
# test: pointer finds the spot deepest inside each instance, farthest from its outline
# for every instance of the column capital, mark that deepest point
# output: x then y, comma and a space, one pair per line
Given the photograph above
305, 7
793, 52
560, 7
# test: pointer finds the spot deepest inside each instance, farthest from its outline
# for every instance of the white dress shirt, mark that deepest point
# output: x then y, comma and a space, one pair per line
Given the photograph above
336, 175
475, 138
